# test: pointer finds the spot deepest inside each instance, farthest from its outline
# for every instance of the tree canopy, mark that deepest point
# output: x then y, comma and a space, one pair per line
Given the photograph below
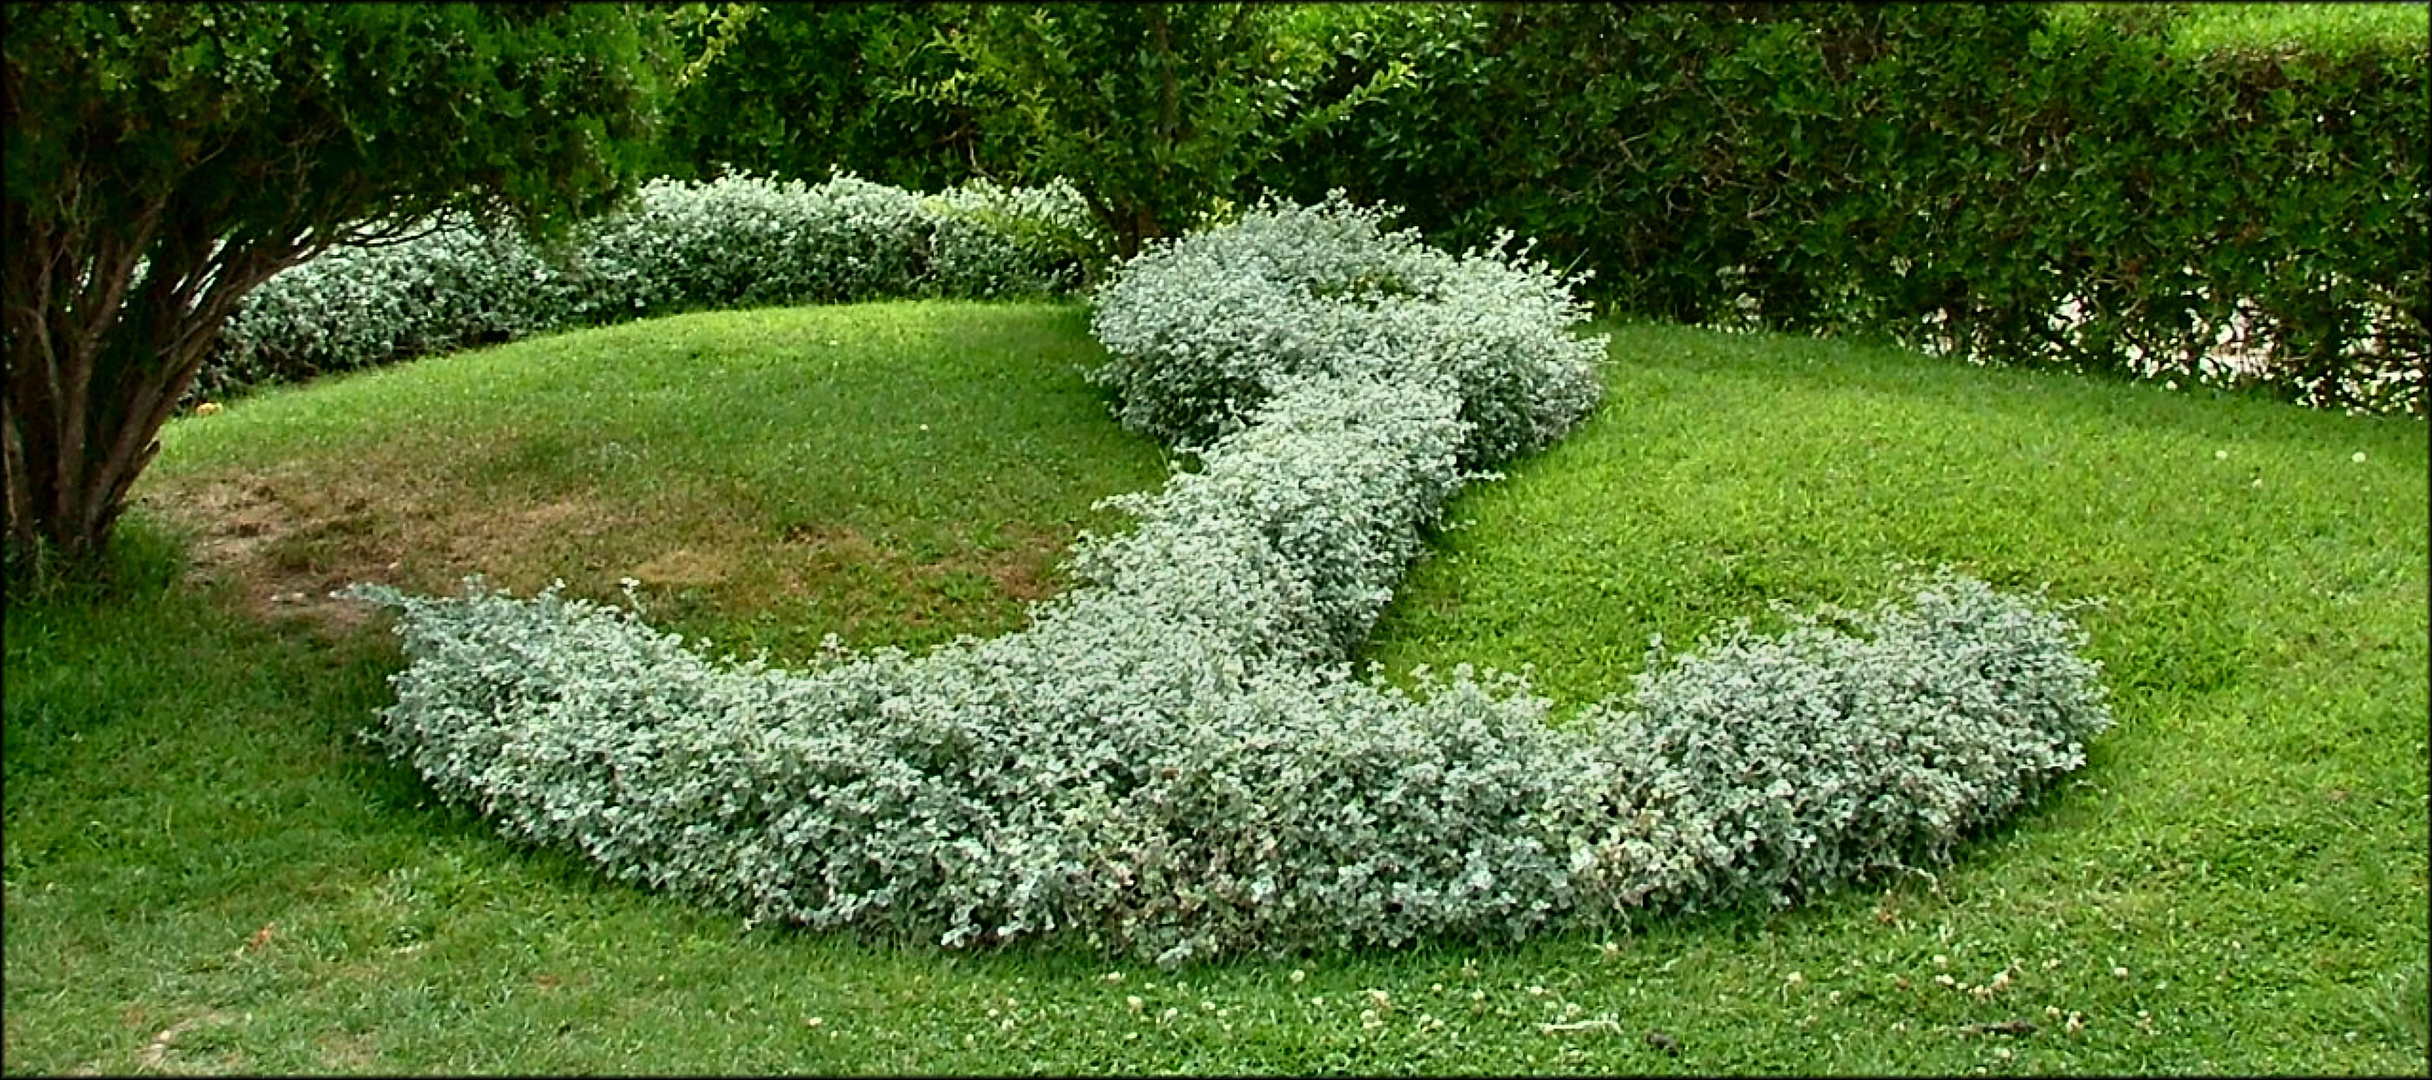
163, 159
1155, 112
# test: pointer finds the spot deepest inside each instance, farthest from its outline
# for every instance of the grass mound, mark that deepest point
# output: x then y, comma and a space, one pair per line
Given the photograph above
903, 471
205, 870
1170, 762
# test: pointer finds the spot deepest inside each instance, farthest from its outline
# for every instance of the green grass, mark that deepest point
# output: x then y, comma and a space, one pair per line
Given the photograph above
2333, 29
907, 469
2235, 883
2323, 28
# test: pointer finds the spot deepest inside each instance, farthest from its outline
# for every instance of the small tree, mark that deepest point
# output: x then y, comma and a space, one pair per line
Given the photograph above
1153, 111
164, 159
793, 90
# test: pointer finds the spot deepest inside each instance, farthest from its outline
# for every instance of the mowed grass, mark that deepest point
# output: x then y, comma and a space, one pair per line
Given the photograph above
205, 872
2265, 28
2335, 29
908, 470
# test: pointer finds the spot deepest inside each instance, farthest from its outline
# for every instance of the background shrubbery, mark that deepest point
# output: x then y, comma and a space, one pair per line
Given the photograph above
1173, 760
798, 90
2151, 191
681, 246
2081, 188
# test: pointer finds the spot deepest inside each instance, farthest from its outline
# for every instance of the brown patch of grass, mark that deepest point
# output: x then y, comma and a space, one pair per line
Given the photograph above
343, 1052
1023, 562
829, 539
685, 567
284, 539
1020, 562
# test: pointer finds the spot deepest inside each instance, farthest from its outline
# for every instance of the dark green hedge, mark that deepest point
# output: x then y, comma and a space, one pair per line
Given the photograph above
806, 89
1922, 171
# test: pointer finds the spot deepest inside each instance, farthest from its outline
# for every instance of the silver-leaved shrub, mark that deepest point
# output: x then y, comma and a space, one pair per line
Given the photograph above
745, 241
1173, 758
453, 286
681, 246
990, 241
1200, 331
1769, 767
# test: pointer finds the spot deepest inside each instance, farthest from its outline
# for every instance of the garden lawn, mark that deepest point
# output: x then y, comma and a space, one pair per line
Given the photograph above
2265, 28
205, 871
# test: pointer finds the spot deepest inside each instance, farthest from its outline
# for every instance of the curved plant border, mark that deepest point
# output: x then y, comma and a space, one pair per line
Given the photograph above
1173, 759
737, 241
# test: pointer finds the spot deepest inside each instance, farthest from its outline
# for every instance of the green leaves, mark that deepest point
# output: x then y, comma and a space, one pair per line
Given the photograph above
165, 159
1154, 111
1895, 169
799, 91
258, 93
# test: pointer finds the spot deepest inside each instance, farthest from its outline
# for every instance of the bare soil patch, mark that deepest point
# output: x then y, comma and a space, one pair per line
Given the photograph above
283, 543
283, 540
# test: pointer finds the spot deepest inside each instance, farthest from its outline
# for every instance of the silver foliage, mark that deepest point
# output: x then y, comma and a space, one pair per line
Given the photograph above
680, 246
1201, 330
1173, 759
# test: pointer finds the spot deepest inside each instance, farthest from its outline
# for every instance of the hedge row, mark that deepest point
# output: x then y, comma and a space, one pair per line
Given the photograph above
681, 246
1974, 178
1173, 760
800, 89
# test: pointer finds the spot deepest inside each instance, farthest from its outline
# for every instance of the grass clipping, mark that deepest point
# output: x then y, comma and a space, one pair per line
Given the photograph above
1173, 760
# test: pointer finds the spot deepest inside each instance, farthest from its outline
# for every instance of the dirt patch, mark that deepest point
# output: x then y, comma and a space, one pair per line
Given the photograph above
283, 540
284, 544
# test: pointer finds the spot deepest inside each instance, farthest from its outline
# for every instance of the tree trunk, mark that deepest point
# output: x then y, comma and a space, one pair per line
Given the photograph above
98, 355
1144, 226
